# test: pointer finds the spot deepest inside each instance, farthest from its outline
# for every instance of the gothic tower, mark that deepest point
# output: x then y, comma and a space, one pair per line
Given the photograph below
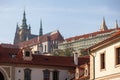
23, 32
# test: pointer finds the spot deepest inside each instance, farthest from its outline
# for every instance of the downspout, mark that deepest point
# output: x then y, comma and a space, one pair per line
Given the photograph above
93, 64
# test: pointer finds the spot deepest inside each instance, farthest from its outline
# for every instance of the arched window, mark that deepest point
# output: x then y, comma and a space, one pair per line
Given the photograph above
27, 74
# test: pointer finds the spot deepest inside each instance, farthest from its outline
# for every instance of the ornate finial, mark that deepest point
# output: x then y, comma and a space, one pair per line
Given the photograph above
103, 25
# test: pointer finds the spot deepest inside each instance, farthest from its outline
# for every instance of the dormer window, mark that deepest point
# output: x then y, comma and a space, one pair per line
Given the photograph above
27, 53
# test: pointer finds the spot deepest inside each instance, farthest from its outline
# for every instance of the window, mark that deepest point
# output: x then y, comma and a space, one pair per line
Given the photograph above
12, 55
117, 56
27, 74
45, 48
27, 53
102, 59
46, 75
55, 75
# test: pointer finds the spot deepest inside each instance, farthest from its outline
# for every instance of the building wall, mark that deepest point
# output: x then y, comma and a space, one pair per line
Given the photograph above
110, 68
37, 73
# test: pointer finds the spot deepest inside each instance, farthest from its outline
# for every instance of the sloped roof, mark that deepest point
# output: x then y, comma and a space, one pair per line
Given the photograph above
115, 37
89, 34
47, 37
58, 61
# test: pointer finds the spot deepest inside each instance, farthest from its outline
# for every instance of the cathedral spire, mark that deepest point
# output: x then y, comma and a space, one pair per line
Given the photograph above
41, 30
116, 25
103, 26
24, 24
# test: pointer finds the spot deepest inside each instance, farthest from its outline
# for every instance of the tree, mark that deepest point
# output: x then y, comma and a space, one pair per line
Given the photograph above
68, 51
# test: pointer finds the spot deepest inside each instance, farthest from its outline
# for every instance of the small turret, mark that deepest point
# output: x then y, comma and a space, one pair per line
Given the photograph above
103, 26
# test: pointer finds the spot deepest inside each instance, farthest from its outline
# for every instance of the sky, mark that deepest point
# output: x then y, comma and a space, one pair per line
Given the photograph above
70, 17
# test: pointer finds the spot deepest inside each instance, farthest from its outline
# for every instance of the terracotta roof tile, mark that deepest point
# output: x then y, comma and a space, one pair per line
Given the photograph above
38, 59
106, 41
88, 35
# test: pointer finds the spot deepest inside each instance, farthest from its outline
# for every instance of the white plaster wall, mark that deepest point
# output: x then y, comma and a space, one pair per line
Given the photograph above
110, 67
37, 73
45, 43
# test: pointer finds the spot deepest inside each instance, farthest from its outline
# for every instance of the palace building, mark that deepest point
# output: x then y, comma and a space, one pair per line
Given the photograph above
79, 43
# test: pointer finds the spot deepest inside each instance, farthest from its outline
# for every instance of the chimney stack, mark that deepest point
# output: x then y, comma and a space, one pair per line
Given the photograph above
76, 58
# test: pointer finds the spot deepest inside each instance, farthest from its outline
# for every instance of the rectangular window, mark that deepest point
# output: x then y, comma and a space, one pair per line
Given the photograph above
27, 74
46, 75
102, 59
117, 56
55, 75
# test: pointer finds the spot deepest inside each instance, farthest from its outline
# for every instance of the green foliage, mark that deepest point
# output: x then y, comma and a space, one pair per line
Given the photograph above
68, 51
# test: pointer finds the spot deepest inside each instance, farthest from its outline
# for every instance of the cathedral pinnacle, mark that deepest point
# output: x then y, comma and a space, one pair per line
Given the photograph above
103, 26
41, 30
24, 24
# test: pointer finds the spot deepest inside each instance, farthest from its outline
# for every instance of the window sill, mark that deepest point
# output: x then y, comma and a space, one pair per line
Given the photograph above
118, 65
103, 69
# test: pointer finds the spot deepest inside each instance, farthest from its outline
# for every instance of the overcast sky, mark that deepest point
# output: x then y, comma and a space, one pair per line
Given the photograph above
70, 17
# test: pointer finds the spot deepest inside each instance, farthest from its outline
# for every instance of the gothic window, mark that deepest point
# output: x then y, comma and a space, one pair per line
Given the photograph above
55, 75
46, 75
27, 53
117, 56
27, 74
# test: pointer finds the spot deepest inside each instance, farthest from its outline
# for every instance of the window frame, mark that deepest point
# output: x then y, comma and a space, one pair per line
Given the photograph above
117, 56
27, 53
102, 61
46, 76
27, 74
55, 75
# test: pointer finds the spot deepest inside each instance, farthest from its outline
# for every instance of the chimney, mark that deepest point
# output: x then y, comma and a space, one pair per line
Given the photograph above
76, 58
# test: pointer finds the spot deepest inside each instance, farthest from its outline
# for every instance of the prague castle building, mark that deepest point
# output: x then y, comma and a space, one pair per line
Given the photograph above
79, 43
42, 43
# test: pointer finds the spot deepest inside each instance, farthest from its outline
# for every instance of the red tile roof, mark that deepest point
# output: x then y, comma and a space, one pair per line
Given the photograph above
47, 37
59, 61
90, 34
113, 38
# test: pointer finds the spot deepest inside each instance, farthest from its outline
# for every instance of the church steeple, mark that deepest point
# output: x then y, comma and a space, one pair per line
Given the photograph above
24, 24
103, 26
41, 30
116, 25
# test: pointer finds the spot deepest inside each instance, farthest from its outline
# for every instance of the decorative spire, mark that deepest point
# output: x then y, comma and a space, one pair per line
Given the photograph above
103, 26
116, 25
24, 24
41, 30
17, 27
30, 28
